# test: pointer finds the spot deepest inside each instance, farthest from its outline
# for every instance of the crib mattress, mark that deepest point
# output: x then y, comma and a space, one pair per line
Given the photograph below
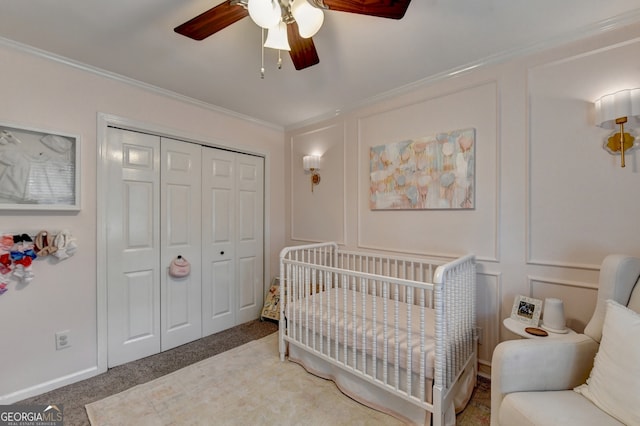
337, 316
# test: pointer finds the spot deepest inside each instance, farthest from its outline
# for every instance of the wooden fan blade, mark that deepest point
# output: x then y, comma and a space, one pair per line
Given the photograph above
212, 21
393, 9
303, 52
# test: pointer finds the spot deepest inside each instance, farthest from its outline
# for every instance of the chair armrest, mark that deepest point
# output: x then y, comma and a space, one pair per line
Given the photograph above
540, 365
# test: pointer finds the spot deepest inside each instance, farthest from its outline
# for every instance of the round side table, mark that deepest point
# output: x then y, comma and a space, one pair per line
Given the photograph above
518, 327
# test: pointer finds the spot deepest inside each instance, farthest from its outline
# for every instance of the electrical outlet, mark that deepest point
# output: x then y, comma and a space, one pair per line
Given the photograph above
62, 339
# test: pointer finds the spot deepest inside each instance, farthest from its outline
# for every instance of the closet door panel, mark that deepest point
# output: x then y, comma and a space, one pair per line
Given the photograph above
246, 283
181, 307
249, 236
218, 246
138, 265
175, 295
221, 294
222, 221
139, 309
179, 199
246, 215
133, 296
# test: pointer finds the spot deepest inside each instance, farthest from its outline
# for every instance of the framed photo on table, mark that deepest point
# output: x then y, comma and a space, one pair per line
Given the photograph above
526, 310
39, 169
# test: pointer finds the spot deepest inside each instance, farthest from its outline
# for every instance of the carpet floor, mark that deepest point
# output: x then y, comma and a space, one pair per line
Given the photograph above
74, 397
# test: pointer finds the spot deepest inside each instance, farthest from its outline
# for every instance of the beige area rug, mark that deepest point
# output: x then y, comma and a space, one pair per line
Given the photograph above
247, 385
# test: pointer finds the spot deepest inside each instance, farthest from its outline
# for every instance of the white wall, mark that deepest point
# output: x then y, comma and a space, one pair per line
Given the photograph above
38, 92
550, 202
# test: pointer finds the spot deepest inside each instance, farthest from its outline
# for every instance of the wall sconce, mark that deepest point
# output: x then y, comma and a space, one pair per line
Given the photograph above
311, 164
616, 109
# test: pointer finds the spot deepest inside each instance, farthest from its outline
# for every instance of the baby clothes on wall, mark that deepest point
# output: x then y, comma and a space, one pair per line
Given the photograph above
16, 259
39, 172
8, 137
17, 253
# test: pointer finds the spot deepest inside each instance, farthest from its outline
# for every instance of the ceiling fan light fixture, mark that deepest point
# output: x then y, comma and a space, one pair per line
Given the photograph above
308, 17
265, 13
277, 37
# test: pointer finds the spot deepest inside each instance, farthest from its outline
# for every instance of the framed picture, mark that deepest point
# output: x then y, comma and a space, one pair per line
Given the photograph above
526, 310
432, 172
271, 308
39, 169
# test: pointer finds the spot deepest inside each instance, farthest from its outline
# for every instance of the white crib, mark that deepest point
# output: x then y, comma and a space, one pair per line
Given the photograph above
394, 333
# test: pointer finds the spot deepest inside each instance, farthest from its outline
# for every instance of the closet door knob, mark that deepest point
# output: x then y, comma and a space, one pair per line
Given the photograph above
222, 252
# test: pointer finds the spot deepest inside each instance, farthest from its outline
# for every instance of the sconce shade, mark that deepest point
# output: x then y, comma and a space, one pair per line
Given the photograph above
309, 18
311, 162
618, 109
265, 13
625, 103
277, 37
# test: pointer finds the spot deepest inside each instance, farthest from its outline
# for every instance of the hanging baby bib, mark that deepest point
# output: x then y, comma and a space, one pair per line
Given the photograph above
179, 267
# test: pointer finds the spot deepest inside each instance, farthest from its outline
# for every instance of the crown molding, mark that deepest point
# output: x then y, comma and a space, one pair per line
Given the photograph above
132, 82
600, 27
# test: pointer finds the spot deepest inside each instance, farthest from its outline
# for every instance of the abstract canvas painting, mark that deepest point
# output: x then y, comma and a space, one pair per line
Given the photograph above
433, 172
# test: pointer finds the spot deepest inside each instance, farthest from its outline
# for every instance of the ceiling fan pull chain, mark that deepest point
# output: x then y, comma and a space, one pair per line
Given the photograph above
262, 47
279, 59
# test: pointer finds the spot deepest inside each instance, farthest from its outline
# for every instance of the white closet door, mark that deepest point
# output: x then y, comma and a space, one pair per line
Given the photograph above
168, 198
233, 239
181, 312
133, 235
218, 240
249, 237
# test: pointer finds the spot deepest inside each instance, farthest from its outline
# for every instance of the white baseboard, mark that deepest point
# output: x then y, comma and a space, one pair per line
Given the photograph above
49, 386
484, 369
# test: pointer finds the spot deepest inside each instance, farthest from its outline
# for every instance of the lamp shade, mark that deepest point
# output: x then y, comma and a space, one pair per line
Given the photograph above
277, 37
553, 316
311, 162
309, 18
265, 13
625, 103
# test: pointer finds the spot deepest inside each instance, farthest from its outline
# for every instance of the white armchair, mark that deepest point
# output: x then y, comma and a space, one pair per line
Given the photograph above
532, 381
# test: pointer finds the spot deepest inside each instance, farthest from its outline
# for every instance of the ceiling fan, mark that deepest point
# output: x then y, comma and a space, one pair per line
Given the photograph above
291, 14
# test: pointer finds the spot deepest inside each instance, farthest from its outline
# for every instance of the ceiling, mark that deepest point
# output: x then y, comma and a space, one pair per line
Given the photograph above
361, 57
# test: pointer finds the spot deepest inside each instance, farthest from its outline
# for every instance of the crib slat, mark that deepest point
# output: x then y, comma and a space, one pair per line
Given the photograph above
343, 319
409, 349
364, 322
385, 339
396, 336
354, 322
